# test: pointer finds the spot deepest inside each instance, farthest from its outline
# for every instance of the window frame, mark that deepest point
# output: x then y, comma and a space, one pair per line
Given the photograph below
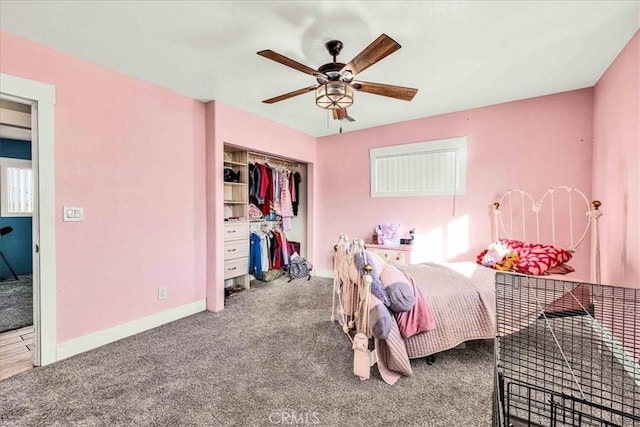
458, 145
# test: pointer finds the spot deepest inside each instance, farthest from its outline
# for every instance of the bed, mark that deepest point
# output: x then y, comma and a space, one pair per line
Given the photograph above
460, 297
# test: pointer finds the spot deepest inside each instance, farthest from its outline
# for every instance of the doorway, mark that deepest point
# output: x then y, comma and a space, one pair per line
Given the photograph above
17, 195
40, 97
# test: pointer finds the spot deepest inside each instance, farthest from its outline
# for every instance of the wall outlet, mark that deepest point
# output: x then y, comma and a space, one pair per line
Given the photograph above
162, 293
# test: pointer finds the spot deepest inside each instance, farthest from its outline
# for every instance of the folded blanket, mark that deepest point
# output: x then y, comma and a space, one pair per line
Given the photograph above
393, 360
420, 318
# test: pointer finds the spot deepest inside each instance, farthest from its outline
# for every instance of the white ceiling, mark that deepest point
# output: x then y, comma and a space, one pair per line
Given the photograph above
459, 54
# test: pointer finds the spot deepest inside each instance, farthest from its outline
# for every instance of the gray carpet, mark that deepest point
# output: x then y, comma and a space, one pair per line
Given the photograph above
16, 303
272, 357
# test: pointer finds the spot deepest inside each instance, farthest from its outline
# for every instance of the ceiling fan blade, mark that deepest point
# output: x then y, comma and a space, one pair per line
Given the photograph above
274, 56
341, 114
289, 95
380, 48
399, 92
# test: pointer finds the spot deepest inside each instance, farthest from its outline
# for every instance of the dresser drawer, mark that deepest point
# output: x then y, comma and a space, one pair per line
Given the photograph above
396, 255
391, 256
236, 249
236, 231
236, 267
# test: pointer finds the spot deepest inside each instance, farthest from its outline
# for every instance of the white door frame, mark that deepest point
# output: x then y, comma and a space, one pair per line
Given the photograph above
42, 98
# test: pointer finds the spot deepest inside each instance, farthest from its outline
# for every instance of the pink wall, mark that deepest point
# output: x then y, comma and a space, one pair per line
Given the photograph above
531, 144
133, 155
226, 124
616, 156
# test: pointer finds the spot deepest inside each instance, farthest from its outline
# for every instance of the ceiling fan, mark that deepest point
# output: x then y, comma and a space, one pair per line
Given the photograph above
336, 84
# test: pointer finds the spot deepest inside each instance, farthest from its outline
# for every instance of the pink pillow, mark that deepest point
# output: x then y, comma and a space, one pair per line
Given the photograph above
537, 258
376, 261
389, 274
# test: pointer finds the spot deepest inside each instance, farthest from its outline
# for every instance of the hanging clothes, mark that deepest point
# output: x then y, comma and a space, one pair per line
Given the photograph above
268, 198
282, 248
295, 200
254, 182
261, 189
264, 252
255, 256
276, 250
275, 194
285, 207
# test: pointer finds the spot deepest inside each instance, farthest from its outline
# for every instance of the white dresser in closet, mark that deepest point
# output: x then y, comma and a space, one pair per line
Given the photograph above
236, 252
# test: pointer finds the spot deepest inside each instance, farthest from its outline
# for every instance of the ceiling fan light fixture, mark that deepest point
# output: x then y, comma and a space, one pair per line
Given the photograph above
334, 95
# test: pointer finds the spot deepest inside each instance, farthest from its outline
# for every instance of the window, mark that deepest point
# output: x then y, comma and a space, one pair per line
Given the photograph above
419, 169
17, 187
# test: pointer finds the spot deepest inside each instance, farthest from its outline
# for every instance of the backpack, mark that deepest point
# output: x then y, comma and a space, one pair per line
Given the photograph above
299, 267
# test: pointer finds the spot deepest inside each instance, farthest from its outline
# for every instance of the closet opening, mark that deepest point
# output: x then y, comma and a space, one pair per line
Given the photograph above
265, 215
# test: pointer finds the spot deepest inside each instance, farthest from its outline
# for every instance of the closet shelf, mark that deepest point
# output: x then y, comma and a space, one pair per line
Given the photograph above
232, 163
236, 184
234, 202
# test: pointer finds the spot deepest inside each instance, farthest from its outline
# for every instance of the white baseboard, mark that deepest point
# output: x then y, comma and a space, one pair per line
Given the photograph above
106, 336
320, 272
628, 363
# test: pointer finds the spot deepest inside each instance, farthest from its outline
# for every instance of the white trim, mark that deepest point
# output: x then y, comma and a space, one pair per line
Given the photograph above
321, 272
27, 89
42, 97
628, 363
109, 335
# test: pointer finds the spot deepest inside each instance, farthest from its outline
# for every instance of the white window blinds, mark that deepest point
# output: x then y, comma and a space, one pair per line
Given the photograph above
16, 179
419, 169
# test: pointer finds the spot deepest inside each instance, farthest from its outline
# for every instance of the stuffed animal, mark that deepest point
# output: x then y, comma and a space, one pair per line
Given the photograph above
397, 291
495, 254
508, 263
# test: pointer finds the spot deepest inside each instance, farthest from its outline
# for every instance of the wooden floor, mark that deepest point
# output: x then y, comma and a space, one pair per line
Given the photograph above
16, 351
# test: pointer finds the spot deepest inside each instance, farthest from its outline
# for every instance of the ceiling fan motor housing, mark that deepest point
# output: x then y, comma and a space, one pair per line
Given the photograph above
334, 47
331, 71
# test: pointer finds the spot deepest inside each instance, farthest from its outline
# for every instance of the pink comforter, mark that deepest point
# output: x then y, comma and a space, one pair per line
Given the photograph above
459, 310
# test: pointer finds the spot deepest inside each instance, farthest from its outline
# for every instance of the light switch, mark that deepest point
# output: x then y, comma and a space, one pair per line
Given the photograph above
72, 213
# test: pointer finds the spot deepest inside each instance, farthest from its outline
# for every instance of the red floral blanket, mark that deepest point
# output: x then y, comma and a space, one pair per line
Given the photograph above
534, 258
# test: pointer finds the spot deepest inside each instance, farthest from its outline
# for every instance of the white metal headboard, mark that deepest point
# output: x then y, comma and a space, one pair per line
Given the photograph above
526, 200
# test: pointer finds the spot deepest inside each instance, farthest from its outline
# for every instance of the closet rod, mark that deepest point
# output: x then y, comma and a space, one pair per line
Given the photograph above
270, 159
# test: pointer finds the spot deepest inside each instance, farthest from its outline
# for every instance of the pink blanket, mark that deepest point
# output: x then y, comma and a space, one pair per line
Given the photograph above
393, 359
419, 318
536, 258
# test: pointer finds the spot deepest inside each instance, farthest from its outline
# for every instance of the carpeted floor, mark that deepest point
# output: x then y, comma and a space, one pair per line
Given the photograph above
272, 357
16, 303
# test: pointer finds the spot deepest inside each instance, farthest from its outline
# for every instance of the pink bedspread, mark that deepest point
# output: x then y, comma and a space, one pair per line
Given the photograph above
460, 309
463, 306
